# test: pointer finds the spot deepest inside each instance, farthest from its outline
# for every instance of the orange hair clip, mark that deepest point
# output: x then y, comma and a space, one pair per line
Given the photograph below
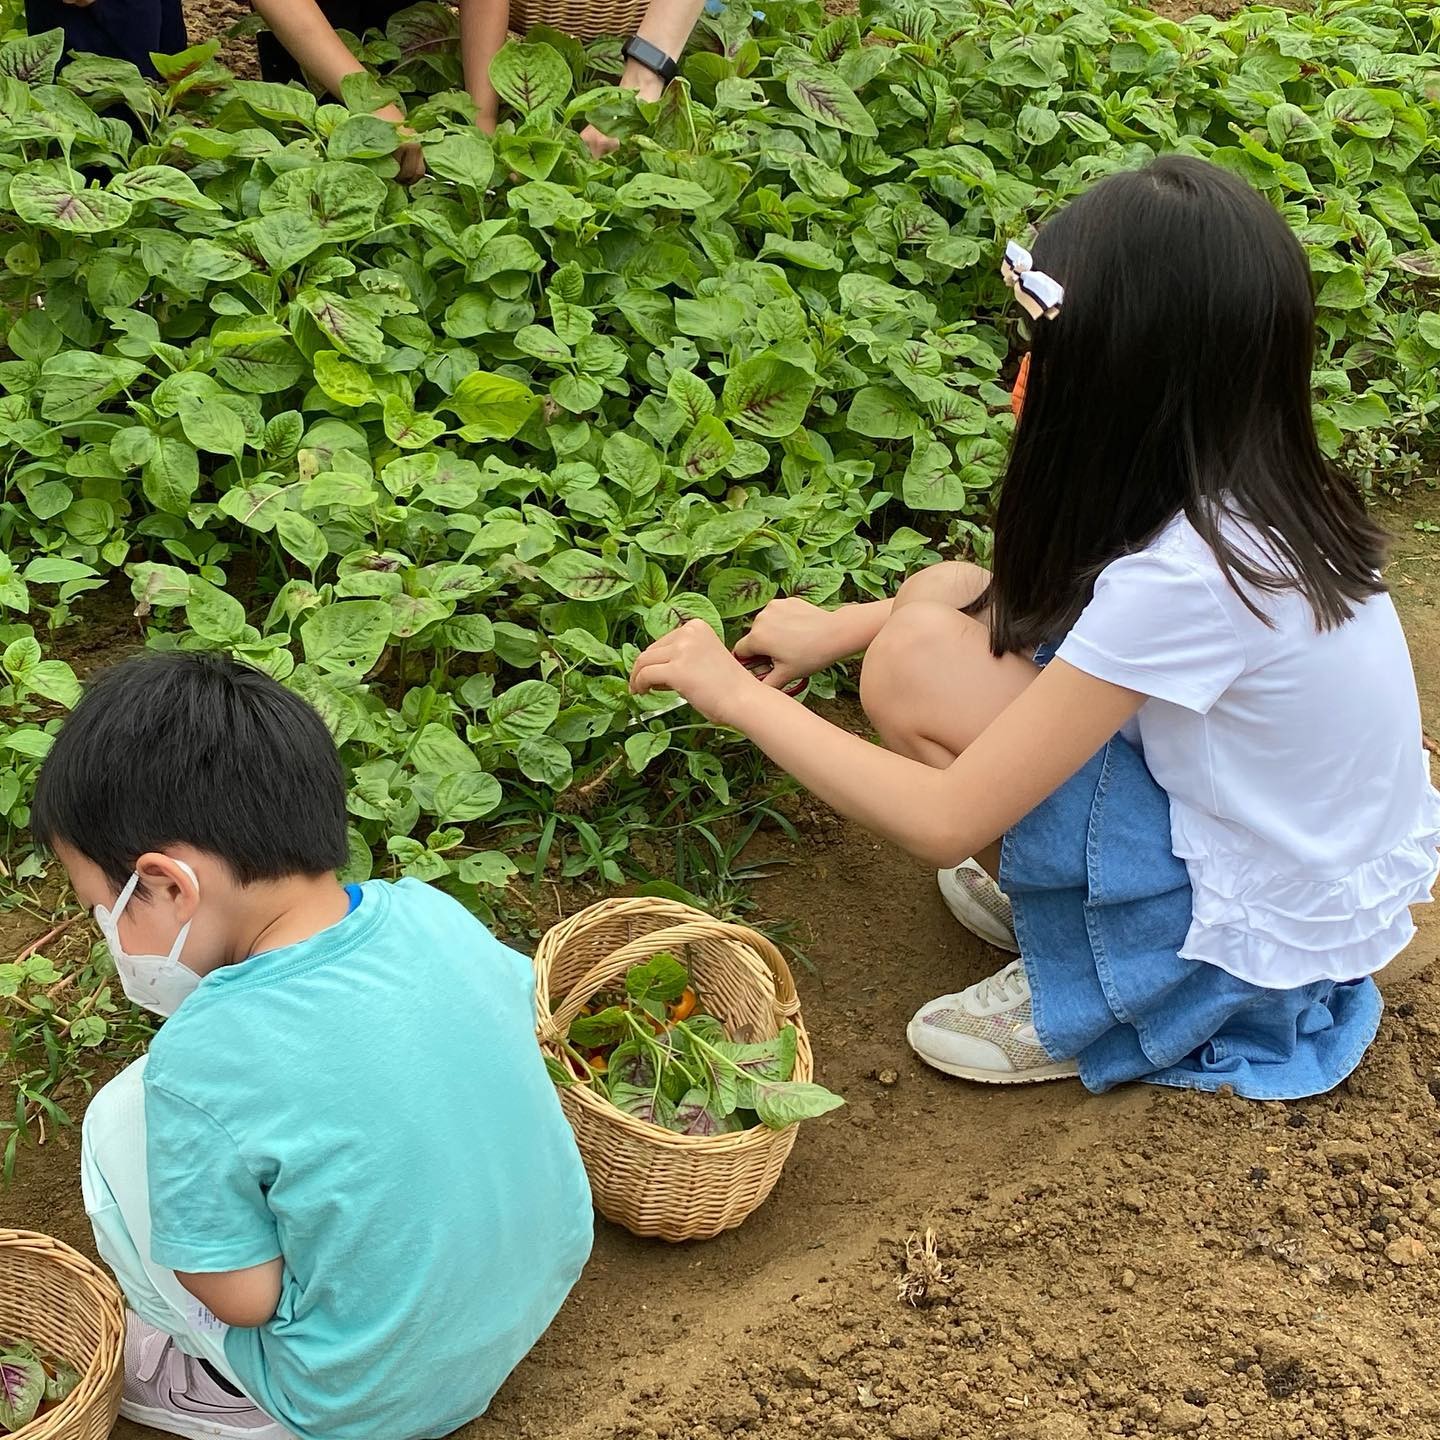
1017, 392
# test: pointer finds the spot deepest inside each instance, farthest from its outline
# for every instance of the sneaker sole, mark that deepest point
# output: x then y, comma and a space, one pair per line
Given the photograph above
974, 917
1060, 1070
197, 1427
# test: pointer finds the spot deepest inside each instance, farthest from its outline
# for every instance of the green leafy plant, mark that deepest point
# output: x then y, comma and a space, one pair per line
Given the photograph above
34, 694
31, 1380
656, 1055
56, 1027
443, 459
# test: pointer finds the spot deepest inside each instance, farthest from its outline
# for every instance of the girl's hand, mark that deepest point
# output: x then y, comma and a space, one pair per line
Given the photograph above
694, 663
797, 637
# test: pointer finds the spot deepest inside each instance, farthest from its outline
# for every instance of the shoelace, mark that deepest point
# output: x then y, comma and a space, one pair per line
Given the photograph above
1004, 986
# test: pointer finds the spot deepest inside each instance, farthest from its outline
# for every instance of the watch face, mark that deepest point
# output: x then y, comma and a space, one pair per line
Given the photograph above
652, 57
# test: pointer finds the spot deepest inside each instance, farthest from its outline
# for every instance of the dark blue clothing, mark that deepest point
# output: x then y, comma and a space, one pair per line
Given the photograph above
120, 29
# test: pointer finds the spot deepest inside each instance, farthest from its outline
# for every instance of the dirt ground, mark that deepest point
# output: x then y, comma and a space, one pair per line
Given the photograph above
1146, 1263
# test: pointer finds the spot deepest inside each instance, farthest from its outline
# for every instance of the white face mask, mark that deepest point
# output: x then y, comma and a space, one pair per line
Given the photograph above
157, 983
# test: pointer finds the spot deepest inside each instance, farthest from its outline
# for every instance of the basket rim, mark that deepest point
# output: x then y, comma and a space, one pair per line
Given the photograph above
758, 1136
103, 1371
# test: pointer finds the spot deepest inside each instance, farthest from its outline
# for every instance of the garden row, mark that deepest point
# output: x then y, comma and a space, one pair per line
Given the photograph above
443, 458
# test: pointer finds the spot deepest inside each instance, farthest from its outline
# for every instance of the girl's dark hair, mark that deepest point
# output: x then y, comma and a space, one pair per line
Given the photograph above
1176, 378
199, 750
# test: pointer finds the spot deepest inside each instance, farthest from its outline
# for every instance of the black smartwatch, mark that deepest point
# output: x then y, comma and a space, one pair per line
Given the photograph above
652, 57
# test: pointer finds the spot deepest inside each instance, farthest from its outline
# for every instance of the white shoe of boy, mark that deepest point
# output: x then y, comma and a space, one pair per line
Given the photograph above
169, 1390
987, 1033
980, 905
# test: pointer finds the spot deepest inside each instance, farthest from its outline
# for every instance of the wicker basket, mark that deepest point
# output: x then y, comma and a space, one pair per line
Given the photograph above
56, 1299
650, 1180
576, 17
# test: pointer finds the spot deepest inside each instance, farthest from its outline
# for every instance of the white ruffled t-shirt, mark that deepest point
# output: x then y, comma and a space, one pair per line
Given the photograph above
1300, 795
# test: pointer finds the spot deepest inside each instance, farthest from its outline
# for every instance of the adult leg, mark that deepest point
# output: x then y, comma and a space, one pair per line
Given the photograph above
129, 31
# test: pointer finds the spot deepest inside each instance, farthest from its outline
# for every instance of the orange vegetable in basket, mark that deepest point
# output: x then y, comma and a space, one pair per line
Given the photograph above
684, 1007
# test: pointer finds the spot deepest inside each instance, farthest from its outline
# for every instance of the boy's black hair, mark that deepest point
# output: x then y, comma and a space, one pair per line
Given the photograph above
199, 750
1175, 379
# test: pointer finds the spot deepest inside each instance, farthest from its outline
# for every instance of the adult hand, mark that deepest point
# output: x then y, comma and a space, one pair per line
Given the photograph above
798, 639
694, 663
600, 144
646, 83
412, 164
408, 155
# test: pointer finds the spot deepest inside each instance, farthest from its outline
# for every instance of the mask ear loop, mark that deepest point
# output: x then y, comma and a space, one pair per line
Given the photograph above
127, 893
179, 944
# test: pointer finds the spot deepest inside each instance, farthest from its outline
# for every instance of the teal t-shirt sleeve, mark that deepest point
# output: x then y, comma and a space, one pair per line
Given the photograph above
207, 1210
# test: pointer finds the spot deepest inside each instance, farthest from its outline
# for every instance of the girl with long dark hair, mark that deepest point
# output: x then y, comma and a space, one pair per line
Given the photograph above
1169, 752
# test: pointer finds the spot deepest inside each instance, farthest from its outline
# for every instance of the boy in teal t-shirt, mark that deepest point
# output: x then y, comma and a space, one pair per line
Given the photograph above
339, 1194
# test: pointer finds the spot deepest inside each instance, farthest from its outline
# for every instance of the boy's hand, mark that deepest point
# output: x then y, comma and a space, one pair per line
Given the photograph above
693, 662
797, 637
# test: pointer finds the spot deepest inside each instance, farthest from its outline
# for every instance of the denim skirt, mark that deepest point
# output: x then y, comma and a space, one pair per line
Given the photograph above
1102, 907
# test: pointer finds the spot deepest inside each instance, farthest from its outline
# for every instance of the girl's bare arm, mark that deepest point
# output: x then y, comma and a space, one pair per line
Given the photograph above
942, 816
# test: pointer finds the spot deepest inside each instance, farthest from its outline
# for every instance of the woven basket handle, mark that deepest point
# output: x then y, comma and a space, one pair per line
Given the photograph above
772, 972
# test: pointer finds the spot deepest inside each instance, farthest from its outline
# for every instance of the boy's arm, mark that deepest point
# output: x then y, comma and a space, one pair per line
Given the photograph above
210, 1221
243, 1298
484, 25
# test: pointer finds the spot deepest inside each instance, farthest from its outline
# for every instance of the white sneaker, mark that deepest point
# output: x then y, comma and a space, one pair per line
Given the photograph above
169, 1390
987, 1033
980, 905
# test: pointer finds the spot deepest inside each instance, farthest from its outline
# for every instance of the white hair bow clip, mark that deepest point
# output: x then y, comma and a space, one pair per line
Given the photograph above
1037, 293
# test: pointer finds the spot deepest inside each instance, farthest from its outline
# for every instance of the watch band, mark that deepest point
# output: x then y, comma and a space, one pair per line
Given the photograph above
652, 57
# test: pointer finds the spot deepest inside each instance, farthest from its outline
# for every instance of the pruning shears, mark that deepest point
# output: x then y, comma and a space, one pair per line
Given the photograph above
758, 665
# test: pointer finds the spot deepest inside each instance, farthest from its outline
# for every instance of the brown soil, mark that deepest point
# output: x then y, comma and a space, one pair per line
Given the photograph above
1148, 1262
204, 18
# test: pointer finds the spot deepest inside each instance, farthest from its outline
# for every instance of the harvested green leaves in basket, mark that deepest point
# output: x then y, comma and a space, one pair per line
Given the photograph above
30, 1381
657, 1055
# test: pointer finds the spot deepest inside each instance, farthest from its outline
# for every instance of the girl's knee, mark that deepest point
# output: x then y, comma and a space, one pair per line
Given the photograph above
956, 584
902, 657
